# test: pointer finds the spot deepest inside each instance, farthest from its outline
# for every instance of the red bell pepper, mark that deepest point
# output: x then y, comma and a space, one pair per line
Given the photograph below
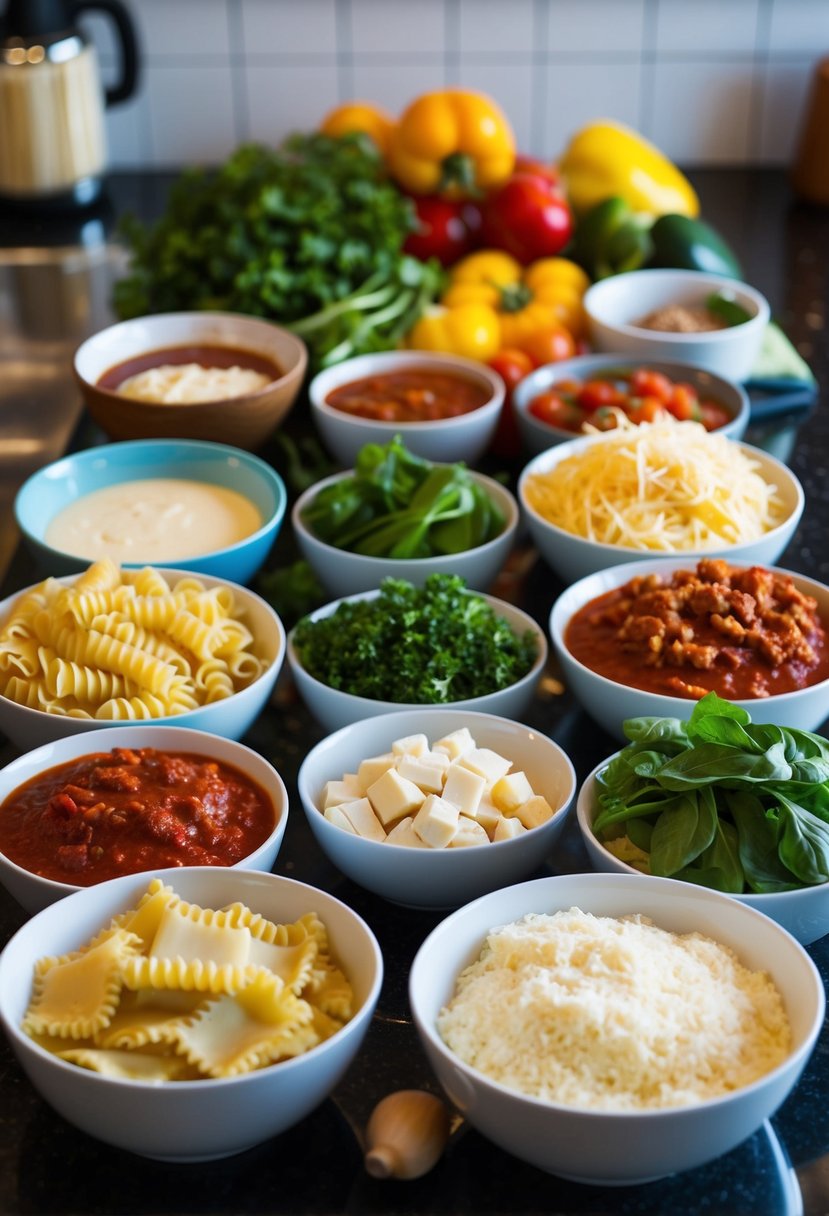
447, 230
528, 217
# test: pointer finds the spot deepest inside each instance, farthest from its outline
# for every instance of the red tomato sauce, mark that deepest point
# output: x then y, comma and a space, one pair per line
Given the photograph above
742, 633
409, 395
129, 810
642, 395
202, 354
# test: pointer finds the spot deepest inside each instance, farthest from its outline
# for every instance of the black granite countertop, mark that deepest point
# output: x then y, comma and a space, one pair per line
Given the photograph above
47, 1167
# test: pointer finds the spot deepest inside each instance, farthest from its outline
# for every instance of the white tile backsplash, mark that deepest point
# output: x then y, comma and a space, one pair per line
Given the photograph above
710, 81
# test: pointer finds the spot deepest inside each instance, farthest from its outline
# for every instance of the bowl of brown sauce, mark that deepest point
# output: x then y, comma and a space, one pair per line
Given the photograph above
217, 376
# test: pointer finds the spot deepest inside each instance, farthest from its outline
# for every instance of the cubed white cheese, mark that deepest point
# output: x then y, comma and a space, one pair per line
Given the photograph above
373, 767
534, 811
510, 791
362, 818
345, 790
469, 833
463, 788
508, 829
404, 834
456, 743
488, 815
410, 745
334, 814
392, 796
436, 822
427, 771
488, 763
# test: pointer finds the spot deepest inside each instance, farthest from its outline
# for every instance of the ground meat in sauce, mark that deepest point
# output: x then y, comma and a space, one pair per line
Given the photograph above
741, 632
133, 809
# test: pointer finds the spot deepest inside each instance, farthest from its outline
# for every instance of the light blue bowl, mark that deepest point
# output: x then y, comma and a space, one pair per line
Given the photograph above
57, 485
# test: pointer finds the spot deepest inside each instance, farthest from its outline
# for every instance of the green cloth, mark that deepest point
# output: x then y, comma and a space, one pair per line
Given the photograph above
778, 359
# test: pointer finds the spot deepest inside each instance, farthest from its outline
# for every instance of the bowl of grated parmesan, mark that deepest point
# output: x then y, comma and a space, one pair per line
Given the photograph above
659, 490
615, 1028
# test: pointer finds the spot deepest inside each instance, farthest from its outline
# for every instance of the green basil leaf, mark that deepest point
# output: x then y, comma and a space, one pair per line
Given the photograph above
804, 843
649, 730
682, 832
711, 762
758, 835
640, 833
719, 865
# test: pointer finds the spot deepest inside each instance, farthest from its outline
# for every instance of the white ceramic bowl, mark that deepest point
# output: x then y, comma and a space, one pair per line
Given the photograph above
537, 436
610, 703
601, 1147
245, 421
615, 306
231, 717
189, 1120
334, 708
572, 557
803, 913
437, 878
344, 573
448, 439
34, 892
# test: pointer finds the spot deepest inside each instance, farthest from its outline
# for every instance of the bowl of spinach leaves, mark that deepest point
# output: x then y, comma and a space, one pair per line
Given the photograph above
398, 514
719, 801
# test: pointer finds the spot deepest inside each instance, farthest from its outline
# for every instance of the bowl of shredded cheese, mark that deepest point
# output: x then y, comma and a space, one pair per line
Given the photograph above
657, 490
615, 1028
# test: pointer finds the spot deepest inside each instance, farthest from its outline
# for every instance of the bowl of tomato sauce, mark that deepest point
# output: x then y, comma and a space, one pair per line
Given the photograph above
593, 393
445, 407
87, 808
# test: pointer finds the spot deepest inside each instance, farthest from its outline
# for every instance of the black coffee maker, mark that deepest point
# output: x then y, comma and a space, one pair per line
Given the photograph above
52, 134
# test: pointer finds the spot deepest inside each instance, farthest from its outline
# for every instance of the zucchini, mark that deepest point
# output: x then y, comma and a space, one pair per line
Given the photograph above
682, 243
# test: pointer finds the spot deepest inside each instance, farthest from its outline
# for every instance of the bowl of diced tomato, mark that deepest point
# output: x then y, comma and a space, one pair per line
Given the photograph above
593, 393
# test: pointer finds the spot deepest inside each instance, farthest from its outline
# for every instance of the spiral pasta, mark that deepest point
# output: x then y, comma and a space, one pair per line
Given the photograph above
125, 645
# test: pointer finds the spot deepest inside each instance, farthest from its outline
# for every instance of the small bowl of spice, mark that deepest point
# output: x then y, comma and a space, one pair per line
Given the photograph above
685, 316
445, 407
191, 375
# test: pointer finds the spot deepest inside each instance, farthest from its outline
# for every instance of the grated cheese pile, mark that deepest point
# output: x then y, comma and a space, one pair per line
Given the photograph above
608, 1014
188, 383
671, 487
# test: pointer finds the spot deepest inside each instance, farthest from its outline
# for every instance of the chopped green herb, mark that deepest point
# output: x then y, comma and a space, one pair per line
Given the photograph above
427, 646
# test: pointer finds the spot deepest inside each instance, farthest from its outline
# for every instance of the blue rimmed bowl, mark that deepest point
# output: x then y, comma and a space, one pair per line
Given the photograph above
54, 487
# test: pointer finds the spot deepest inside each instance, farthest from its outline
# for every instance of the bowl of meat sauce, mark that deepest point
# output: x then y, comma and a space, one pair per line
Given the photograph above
445, 407
218, 376
87, 808
594, 393
652, 639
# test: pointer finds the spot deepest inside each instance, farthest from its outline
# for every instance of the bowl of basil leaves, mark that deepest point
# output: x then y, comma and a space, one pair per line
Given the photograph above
719, 801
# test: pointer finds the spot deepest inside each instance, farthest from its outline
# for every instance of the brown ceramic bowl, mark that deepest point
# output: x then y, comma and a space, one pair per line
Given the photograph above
245, 421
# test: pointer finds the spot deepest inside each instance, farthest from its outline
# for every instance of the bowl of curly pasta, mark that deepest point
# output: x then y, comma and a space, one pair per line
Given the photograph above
112, 647
215, 1008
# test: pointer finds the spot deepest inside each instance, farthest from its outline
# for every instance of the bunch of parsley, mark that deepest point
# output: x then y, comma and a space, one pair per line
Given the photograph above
425, 645
309, 235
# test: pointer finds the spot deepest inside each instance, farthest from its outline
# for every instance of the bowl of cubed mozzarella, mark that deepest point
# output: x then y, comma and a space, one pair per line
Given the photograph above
430, 808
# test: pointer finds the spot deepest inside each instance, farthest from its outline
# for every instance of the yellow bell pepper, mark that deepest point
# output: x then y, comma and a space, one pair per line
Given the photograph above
471, 330
608, 159
359, 116
526, 300
454, 142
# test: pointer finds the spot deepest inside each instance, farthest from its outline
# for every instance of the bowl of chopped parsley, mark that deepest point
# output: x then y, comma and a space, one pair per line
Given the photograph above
401, 646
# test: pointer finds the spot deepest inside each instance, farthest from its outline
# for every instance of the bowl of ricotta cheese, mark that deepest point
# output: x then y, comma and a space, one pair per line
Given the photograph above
193, 505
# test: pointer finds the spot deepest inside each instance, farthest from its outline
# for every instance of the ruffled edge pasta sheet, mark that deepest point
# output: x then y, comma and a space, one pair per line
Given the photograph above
173, 991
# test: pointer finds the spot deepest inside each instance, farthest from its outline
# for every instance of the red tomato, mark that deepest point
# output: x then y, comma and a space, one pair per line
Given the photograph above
593, 394
684, 403
555, 410
512, 366
713, 415
446, 230
646, 409
537, 168
550, 346
528, 217
647, 383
